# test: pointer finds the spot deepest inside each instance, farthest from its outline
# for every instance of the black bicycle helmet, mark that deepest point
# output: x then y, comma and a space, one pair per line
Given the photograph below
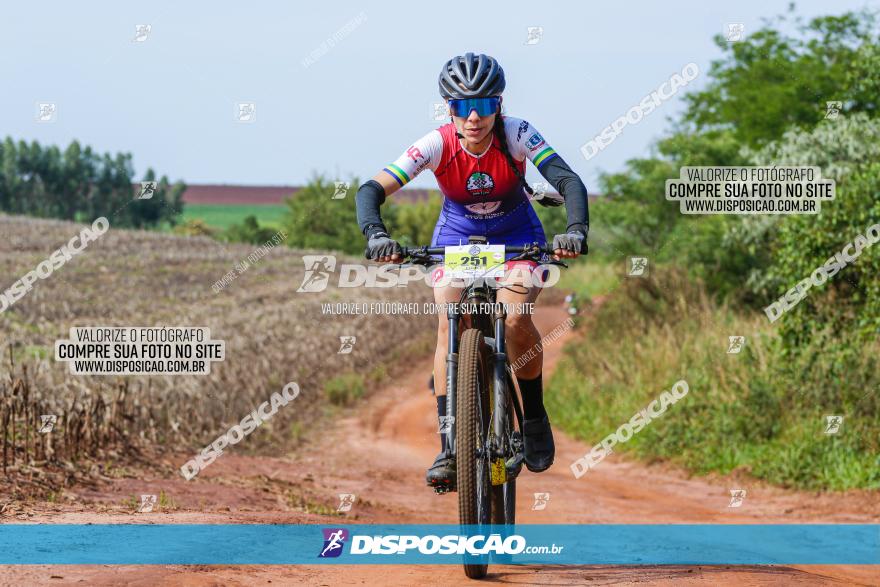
471, 76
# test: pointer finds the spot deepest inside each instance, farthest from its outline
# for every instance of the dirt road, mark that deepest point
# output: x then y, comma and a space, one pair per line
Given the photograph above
380, 453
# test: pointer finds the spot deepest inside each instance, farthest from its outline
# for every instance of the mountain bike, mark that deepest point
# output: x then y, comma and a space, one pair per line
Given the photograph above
483, 409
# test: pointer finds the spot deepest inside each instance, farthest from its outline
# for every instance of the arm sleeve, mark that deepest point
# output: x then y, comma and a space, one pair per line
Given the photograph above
425, 153
369, 197
526, 142
572, 189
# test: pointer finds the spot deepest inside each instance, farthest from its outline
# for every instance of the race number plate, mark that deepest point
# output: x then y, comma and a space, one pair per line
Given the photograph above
471, 261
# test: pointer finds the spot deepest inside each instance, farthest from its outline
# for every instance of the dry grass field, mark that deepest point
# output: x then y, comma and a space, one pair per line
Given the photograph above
273, 335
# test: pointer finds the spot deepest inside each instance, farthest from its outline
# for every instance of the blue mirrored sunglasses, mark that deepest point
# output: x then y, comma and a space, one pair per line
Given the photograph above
483, 106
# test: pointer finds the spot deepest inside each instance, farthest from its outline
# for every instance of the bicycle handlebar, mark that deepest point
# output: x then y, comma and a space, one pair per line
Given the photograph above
426, 250
419, 255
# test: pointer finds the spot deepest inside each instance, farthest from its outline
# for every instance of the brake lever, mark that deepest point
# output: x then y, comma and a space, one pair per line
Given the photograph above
534, 255
423, 259
526, 256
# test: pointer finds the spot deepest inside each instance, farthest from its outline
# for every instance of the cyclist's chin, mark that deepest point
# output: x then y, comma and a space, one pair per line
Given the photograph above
475, 138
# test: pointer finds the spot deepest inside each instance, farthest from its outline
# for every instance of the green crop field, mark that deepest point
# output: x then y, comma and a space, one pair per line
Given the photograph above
221, 216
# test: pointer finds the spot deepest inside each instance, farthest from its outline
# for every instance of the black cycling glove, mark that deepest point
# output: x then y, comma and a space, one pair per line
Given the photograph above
574, 241
381, 245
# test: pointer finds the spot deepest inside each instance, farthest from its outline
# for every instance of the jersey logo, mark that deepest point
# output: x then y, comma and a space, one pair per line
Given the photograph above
523, 127
414, 153
480, 184
535, 141
483, 208
420, 167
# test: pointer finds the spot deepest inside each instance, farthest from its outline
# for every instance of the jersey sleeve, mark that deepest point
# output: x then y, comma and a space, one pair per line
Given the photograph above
526, 142
425, 153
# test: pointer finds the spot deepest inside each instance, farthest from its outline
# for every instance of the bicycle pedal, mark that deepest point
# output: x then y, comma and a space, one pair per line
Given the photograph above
441, 488
514, 465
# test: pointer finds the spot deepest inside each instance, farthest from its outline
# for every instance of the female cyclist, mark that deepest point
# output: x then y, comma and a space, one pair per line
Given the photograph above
479, 162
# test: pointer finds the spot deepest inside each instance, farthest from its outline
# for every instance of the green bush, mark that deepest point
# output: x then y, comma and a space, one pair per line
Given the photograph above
249, 231
344, 389
195, 227
727, 253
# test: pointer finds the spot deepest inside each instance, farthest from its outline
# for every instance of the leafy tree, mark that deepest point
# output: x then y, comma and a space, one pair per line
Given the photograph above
165, 205
863, 78
771, 80
314, 220
639, 217
79, 184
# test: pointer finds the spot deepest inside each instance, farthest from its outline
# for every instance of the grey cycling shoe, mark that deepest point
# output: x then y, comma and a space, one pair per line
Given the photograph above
538, 444
442, 472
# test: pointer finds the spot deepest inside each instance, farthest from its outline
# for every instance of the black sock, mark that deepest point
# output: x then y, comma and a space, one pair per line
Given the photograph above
441, 413
532, 397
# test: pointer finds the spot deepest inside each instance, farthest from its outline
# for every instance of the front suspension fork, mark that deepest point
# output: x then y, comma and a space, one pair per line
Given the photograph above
451, 375
499, 387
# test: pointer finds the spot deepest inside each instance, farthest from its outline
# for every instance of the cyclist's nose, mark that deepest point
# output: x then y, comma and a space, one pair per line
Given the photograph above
473, 118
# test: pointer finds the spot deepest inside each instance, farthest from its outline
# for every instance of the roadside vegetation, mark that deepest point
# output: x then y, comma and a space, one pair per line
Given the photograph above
762, 411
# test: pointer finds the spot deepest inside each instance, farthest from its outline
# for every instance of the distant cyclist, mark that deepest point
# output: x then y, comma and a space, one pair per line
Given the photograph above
479, 162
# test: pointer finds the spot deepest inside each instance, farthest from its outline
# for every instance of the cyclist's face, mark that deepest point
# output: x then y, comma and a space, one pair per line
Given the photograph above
474, 128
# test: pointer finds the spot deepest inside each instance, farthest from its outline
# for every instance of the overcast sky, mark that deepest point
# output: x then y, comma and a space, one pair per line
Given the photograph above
171, 99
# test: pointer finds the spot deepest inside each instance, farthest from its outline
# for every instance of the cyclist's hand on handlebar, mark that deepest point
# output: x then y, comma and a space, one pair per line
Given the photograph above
569, 245
382, 248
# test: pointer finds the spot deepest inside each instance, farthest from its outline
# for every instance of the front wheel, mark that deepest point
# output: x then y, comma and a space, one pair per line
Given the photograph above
472, 425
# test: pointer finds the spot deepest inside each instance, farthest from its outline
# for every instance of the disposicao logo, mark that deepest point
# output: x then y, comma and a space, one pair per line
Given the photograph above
334, 540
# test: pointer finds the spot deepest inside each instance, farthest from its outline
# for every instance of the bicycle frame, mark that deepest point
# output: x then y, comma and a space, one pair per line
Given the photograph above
504, 396
486, 480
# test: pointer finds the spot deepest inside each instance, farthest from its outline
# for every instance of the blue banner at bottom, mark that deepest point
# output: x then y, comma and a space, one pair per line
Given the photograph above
261, 544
